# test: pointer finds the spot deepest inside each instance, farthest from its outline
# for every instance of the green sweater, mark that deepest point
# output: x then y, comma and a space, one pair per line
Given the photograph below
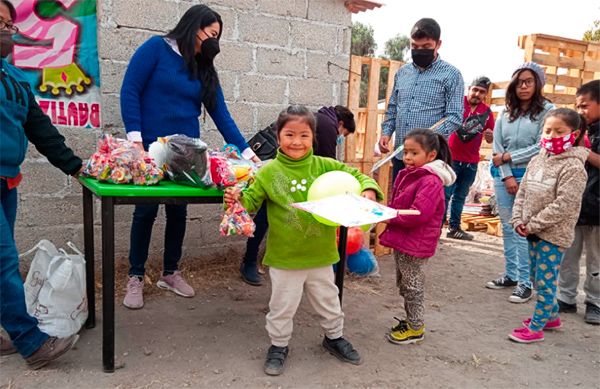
295, 239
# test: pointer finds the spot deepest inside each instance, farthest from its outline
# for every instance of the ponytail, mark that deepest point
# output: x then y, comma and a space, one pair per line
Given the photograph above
582, 127
443, 151
430, 141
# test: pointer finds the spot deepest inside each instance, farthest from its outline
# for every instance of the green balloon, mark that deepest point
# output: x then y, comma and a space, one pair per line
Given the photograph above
329, 184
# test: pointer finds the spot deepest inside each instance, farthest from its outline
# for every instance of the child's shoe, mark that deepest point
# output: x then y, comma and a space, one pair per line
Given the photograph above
250, 275
342, 350
550, 325
175, 283
134, 298
275, 362
525, 335
403, 333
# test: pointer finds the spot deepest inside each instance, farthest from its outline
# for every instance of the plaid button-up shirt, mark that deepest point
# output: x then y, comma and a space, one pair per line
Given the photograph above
420, 98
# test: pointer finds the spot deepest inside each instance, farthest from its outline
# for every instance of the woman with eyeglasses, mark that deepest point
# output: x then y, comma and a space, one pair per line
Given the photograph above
22, 121
517, 136
168, 81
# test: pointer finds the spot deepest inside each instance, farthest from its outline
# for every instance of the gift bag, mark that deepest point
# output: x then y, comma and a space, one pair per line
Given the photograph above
55, 291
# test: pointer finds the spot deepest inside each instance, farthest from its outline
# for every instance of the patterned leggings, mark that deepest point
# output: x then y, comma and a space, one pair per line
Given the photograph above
410, 279
544, 262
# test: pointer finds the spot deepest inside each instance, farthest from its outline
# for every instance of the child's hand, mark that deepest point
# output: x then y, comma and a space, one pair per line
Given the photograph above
231, 196
369, 194
522, 230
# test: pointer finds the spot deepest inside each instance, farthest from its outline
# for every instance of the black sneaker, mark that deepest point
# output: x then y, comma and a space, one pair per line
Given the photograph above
566, 307
592, 314
342, 350
521, 294
276, 356
500, 283
250, 274
457, 233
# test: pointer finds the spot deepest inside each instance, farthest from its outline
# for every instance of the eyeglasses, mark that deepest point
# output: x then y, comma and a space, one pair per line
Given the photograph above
526, 82
4, 25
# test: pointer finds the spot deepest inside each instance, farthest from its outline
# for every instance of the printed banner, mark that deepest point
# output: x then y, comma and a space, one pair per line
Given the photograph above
56, 48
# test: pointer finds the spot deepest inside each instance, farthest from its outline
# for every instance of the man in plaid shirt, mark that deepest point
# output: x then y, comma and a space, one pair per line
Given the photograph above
425, 91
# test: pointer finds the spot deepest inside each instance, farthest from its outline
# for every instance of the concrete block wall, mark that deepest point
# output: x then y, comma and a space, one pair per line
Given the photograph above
273, 53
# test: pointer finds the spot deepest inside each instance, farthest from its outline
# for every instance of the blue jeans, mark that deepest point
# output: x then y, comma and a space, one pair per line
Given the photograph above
516, 253
141, 233
253, 243
465, 176
20, 326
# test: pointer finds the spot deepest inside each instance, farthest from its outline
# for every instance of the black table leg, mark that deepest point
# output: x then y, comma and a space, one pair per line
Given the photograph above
88, 252
341, 266
108, 284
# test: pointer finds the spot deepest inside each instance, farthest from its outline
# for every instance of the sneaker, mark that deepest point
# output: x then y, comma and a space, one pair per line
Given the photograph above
592, 314
53, 348
403, 333
524, 335
501, 283
6, 346
342, 350
566, 307
521, 294
458, 233
134, 298
275, 362
550, 324
249, 273
175, 283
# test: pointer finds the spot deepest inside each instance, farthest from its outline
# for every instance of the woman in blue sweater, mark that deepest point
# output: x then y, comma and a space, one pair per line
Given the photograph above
517, 136
168, 80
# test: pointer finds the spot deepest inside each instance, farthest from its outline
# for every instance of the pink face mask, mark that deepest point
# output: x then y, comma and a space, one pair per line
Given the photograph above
559, 145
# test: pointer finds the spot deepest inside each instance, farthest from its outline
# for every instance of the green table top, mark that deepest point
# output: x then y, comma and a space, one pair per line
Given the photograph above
165, 188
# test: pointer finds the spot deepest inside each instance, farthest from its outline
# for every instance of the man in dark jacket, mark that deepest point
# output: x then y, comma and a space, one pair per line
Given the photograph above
333, 124
587, 231
21, 119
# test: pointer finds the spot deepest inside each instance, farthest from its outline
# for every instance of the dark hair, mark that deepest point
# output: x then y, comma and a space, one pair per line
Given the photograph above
513, 105
426, 28
571, 118
346, 117
591, 88
430, 141
11, 9
197, 18
296, 112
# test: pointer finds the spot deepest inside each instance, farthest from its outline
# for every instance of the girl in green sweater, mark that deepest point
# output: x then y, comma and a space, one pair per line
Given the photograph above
300, 250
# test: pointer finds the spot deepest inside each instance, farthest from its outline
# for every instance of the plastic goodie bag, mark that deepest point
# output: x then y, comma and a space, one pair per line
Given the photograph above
184, 159
55, 290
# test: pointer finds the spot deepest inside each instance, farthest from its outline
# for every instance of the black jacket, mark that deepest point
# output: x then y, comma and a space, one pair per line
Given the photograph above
327, 132
590, 205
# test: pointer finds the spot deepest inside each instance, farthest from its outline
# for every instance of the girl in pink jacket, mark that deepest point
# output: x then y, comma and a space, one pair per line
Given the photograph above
419, 186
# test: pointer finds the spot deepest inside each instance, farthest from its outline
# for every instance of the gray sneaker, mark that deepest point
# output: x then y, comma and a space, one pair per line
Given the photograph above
53, 348
134, 299
592, 314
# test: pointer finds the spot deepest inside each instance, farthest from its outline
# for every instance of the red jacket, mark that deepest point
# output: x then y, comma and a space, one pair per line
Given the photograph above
421, 189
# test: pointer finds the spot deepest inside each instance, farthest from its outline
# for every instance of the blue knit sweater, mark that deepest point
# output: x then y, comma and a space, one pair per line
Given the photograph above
159, 97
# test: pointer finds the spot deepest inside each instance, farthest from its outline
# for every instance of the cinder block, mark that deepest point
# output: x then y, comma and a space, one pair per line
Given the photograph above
280, 62
111, 75
295, 8
228, 84
243, 115
41, 178
120, 43
313, 36
227, 15
262, 89
151, 14
81, 140
237, 4
311, 92
27, 237
345, 40
235, 57
317, 66
35, 211
329, 11
263, 30
268, 114
111, 111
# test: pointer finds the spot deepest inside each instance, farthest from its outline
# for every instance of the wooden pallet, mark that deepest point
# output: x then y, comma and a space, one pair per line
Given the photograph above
488, 224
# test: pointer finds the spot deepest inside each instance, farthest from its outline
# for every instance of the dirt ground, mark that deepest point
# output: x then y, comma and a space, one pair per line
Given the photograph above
218, 340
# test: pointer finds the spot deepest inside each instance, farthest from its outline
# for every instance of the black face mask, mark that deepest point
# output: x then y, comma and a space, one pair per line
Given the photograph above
422, 57
6, 44
209, 48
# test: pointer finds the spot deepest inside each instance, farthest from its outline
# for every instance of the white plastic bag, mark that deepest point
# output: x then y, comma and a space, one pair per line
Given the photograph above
55, 291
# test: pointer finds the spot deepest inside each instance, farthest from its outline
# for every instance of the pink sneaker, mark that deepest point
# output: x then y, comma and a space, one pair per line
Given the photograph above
134, 299
550, 325
177, 284
524, 335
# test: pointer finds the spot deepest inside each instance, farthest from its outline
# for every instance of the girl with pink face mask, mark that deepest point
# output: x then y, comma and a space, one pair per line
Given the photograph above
546, 210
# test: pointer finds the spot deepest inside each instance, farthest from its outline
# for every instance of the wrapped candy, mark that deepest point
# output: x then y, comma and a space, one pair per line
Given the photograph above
228, 168
237, 221
184, 159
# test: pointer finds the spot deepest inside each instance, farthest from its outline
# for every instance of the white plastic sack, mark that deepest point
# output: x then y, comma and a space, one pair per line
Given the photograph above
55, 291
